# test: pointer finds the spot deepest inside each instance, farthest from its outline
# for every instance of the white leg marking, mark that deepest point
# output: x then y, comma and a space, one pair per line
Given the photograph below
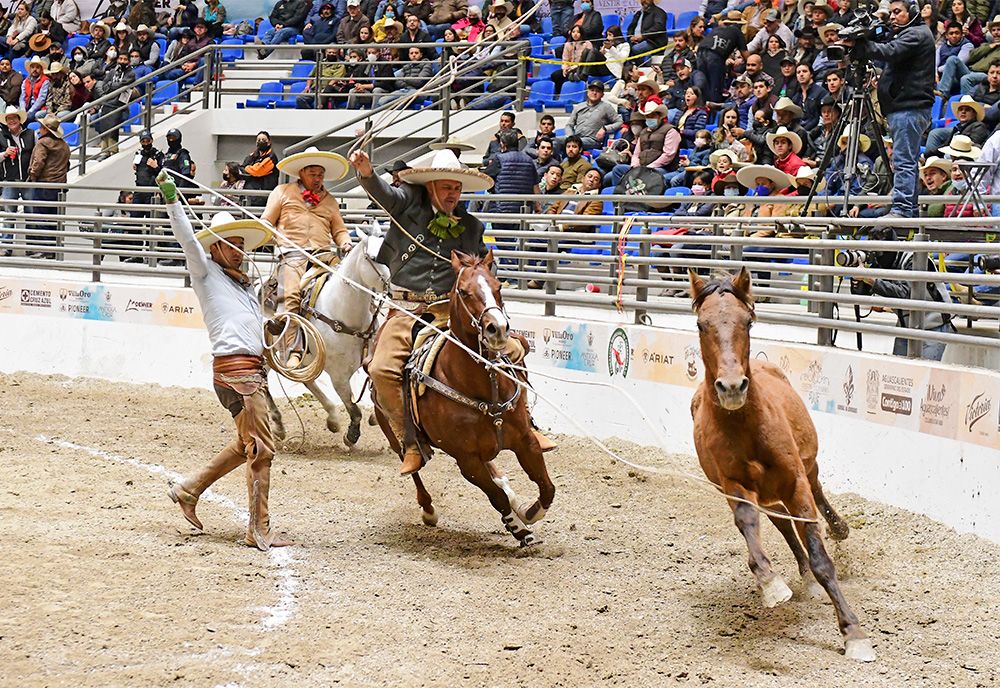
775, 592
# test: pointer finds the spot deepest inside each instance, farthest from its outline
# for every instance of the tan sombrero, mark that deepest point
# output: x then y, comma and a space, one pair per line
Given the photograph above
829, 27
652, 109
732, 17
747, 176
335, 165
15, 110
863, 141
453, 143
993, 22
51, 124
826, 7
961, 146
936, 163
143, 27
783, 133
805, 172
39, 43
650, 83
100, 25
786, 103
802, 6
713, 159
970, 102
445, 166
56, 68
122, 26
224, 226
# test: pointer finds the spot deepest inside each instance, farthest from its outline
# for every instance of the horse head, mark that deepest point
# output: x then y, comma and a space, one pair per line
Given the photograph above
476, 305
362, 265
724, 307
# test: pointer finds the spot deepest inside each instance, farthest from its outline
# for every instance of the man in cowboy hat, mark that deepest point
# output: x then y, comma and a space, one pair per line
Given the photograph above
936, 175
787, 114
824, 63
716, 48
394, 171
16, 144
60, 96
500, 21
308, 219
34, 88
970, 123
235, 327
656, 147
49, 163
428, 223
773, 26
785, 145
39, 44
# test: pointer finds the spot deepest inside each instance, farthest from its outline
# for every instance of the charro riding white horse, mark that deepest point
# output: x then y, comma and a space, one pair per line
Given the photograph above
345, 317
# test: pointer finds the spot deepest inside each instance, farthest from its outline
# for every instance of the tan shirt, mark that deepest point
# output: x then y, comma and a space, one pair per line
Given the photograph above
303, 225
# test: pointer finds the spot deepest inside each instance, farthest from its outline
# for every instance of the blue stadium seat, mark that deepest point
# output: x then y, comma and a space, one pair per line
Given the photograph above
164, 92
546, 70
231, 54
677, 191
539, 93
264, 27
671, 19
546, 27
71, 133
295, 91
18, 65
135, 117
537, 45
75, 41
270, 92
684, 20
573, 92
554, 43
300, 72
611, 20
162, 42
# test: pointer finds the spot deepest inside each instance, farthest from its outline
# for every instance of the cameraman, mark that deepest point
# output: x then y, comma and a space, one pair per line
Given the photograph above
900, 289
905, 95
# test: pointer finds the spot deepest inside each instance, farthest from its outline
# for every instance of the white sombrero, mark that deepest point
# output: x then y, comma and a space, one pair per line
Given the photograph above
783, 133
335, 165
713, 159
961, 148
936, 163
970, 102
826, 28
15, 110
747, 176
445, 166
786, 103
806, 172
224, 226
453, 143
863, 141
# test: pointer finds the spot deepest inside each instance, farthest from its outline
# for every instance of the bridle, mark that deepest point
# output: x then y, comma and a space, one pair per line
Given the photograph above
478, 322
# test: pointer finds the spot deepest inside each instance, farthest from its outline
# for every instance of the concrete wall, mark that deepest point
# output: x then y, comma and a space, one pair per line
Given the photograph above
918, 435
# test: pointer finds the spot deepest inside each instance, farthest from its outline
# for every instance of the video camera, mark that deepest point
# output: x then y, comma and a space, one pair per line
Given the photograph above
990, 263
866, 26
854, 258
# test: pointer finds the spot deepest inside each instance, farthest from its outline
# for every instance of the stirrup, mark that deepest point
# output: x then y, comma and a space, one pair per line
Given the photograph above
413, 461
544, 442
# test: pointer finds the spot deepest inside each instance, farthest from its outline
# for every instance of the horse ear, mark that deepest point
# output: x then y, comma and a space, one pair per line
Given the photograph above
697, 283
456, 261
742, 281
487, 261
362, 232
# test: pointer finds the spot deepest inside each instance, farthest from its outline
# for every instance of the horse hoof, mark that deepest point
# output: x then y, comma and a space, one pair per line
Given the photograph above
279, 432
332, 425
352, 436
530, 540
839, 531
430, 518
775, 592
523, 514
860, 650
372, 420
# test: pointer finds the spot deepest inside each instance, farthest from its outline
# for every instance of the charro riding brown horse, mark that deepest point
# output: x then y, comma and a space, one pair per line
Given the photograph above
756, 441
471, 412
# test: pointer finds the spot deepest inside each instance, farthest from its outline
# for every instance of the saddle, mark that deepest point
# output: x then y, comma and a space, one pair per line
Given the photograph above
314, 279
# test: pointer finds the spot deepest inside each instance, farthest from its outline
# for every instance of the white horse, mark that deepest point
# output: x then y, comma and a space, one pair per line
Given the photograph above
346, 319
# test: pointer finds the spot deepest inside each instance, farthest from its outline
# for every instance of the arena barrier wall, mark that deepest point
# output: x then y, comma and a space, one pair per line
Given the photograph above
919, 435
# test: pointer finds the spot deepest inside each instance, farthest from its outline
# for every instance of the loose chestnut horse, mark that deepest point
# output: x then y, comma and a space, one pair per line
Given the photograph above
756, 441
462, 429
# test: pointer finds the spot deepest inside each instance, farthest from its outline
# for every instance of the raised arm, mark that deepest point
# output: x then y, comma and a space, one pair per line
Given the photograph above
197, 260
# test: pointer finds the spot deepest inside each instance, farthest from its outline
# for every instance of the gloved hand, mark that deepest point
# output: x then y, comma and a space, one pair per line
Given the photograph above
168, 187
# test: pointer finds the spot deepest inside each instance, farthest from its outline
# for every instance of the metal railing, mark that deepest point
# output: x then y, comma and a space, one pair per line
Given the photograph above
563, 254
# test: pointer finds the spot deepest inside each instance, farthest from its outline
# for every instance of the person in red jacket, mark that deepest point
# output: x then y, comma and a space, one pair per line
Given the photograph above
786, 145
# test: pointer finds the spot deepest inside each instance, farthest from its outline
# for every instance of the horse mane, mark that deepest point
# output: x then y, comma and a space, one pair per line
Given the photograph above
723, 284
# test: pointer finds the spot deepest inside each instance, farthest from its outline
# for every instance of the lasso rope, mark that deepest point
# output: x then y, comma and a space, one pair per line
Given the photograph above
622, 255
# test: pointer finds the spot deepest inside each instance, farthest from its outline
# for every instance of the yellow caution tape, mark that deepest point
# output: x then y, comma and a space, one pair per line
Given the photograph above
591, 64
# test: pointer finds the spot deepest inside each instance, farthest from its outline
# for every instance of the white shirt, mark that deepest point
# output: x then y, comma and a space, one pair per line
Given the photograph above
991, 154
231, 312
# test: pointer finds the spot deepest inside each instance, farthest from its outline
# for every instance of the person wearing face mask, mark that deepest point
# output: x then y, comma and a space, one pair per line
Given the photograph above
471, 25
372, 83
117, 77
589, 20
332, 80
699, 187
147, 163
933, 321
699, 156
657, 146
135, 62
766, 180
260, 169
178, 159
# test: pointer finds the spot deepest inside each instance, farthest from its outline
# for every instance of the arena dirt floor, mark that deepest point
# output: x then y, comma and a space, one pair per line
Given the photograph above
639, 581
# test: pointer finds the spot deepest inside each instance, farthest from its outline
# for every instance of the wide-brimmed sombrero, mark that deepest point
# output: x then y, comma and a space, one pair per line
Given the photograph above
39, 43
747, 176
713, 159
786, 103
335, 165
453, 143
783, 133
961, 148
15, 110
827, 28
970, 102
224, 226
864, 142
936, 163
102, 26
445, 166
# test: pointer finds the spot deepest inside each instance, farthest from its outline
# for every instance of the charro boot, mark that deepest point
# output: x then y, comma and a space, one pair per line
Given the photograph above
186, 491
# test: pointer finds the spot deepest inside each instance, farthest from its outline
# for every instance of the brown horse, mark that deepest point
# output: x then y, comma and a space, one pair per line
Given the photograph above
471, 412
756, 441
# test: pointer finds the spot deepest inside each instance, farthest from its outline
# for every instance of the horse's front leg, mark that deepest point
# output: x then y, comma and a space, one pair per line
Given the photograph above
278, 426
529, 454
787, 530
772, 585
857, 644
480, 474
331, 411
